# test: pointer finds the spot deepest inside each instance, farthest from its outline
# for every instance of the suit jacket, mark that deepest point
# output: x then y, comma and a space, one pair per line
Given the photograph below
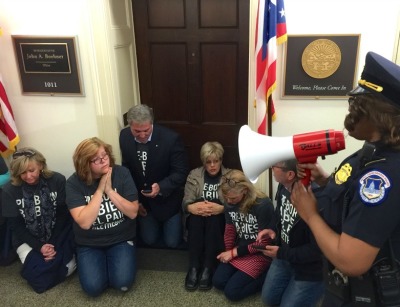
167, 165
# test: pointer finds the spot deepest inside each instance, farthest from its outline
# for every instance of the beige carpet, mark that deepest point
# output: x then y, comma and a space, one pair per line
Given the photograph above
159, 285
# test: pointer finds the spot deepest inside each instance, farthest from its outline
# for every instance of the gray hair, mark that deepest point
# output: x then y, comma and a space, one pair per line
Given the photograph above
139, 114
290, 165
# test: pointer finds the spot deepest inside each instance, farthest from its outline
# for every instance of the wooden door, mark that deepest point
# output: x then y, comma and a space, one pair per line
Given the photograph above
193, 69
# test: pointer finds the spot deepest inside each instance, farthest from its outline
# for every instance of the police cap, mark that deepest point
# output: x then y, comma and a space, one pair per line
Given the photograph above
380, 76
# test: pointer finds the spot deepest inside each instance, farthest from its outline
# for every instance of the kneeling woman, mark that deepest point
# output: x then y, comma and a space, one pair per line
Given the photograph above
102, 199
243, 268
34, 203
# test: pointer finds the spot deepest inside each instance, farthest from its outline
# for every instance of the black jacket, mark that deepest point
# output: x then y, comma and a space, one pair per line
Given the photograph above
302, 252
167, 165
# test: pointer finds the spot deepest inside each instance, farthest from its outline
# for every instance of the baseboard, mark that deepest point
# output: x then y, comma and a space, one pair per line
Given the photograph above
173, 260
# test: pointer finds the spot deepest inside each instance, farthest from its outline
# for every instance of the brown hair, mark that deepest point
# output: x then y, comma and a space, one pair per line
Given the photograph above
380, 112
84, 154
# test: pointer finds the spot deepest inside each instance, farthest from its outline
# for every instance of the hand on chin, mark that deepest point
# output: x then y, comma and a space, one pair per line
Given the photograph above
100, 172
105, 169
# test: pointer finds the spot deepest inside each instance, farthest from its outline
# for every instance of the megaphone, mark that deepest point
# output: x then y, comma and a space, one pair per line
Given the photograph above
259, 152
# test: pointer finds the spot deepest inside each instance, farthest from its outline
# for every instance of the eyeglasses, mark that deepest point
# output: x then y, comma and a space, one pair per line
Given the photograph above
26, 153
99, 160
280, 167
232, 183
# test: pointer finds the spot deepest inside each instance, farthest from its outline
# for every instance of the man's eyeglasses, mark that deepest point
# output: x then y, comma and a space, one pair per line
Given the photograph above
26, 153
280, 167
99, 160
232, 183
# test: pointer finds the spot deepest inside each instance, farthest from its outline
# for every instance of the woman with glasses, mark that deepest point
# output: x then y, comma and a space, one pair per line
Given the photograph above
243, 267
203, 206
102, 199
34, 203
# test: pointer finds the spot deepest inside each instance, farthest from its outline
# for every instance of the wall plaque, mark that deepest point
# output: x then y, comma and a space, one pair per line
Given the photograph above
48, 65
320, 66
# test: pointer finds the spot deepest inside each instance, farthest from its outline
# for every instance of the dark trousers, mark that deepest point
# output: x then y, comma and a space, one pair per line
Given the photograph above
236, 284
205, 238
331, 300
43, 275
7, 251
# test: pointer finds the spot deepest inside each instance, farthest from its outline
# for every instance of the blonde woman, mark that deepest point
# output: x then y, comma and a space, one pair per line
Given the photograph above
203, 206
242, 267
34, 202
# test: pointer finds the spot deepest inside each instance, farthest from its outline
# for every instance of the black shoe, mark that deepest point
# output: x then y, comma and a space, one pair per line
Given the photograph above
206, 279
192, 279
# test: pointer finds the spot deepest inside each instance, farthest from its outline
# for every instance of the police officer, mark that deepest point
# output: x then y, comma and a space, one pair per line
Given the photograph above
358, 230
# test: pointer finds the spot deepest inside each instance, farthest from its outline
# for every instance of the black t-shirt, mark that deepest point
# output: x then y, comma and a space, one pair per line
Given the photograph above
142, 153
111, 225
210, 188
13, 207
288, 214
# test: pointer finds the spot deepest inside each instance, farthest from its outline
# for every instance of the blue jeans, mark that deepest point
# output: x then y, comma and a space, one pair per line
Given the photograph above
236, 284
151, 229
280, 287
103, 267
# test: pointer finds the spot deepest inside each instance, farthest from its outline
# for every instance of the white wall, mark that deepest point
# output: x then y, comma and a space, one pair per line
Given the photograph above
377, 22
55, 125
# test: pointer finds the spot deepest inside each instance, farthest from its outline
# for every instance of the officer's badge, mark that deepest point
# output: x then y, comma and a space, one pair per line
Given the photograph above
373, 188
343, 174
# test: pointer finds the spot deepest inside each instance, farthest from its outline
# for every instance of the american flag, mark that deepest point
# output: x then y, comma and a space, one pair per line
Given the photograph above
8, 131
270, 31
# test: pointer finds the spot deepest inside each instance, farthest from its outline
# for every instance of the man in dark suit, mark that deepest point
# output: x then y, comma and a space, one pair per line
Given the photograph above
156, 158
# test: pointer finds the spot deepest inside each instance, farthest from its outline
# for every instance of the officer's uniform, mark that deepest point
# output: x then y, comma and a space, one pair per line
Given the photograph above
365, 205
362, 199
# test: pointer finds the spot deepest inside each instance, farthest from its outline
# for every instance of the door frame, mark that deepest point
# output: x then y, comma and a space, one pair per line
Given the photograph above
109, 107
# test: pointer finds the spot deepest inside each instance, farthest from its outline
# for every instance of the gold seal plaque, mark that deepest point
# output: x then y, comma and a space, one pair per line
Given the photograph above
321, 58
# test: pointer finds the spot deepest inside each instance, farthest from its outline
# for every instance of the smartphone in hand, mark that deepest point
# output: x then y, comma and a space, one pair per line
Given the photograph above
263, 247
147, 191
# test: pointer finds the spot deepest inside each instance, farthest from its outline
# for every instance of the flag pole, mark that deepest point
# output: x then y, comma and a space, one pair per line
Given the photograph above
269, 123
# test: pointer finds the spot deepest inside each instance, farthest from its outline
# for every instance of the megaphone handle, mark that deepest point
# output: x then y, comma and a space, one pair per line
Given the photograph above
306, 180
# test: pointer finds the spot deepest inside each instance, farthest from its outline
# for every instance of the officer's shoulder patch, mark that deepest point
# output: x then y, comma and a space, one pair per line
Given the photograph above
374, 187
